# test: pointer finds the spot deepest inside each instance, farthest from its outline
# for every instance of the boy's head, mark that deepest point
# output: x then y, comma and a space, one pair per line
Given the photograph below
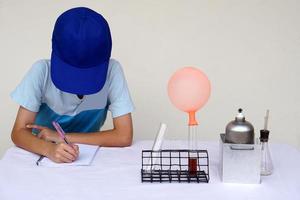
81, 49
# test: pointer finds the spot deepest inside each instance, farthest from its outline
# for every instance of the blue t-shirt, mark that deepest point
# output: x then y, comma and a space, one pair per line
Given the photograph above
37, 93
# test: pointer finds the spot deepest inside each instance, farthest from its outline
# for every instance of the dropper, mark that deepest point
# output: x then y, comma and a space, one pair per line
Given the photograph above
266, 120
264, 134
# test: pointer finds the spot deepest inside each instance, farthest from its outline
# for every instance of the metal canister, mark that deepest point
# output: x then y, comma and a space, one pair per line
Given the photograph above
239, 131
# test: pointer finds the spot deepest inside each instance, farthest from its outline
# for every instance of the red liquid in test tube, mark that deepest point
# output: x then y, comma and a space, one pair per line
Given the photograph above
193, 166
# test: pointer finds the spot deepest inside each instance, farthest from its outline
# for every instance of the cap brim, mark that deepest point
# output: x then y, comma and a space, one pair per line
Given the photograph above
76, 80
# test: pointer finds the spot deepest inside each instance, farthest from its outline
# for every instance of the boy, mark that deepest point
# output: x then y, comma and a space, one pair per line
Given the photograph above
75, 87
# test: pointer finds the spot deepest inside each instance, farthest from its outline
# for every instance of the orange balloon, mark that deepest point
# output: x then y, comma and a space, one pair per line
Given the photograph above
189, 90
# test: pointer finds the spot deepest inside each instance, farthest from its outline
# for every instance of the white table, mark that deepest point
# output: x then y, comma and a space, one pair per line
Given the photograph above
115, 174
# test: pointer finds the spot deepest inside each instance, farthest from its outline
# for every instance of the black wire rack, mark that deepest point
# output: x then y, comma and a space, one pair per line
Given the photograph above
180, 165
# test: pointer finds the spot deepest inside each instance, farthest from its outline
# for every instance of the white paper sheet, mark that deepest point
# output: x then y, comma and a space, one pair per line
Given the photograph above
85, 158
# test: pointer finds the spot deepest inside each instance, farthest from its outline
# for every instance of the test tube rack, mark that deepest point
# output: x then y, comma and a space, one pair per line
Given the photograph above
174, 166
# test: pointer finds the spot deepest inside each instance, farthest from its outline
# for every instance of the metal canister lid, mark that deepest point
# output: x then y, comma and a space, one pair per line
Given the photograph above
239, 131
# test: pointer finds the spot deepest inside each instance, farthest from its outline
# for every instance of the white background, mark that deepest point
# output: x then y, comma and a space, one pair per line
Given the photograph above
249, 49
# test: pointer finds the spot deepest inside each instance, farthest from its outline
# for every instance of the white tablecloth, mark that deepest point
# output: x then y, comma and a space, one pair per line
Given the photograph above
115, 174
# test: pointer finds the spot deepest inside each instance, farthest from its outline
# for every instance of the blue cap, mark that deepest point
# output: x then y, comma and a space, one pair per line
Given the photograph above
81, 49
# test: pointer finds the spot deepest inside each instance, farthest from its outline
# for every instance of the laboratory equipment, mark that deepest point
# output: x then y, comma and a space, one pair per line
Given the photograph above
157, 146
173, 166
239, 131
189, 90
266, 160
240, 155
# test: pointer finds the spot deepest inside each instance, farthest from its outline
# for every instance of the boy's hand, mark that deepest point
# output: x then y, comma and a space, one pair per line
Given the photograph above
60, 152
46, 133
63, 153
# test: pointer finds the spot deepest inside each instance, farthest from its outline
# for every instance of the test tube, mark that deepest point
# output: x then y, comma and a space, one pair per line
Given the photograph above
156, 147
192, 160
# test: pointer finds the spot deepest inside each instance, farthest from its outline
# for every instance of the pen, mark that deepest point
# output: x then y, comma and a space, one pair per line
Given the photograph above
39, 160
61, 134
60, 131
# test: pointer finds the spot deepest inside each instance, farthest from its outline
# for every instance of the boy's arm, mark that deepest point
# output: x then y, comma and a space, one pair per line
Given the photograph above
120, 136
23, 137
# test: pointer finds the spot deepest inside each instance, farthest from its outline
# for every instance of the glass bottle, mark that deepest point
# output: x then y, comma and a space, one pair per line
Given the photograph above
266, 160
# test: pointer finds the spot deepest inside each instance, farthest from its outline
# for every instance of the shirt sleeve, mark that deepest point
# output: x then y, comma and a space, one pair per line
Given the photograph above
120, 102
29, 92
